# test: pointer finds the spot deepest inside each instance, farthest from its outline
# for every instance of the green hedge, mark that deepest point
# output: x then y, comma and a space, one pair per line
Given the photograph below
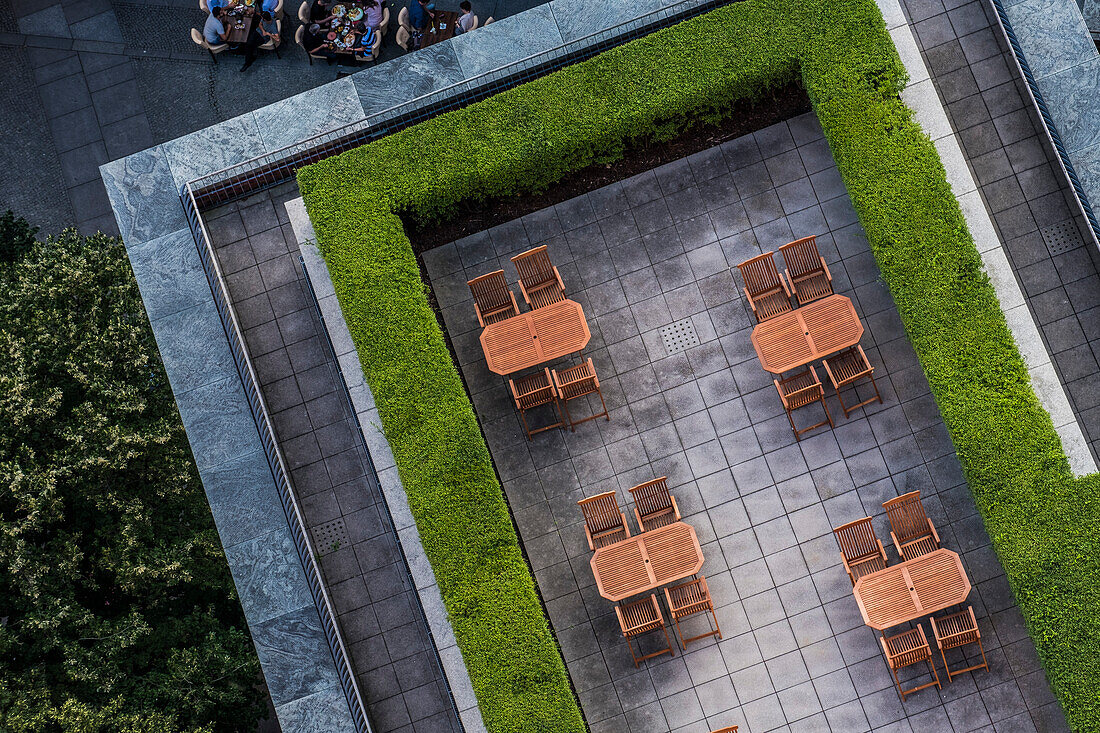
523, 140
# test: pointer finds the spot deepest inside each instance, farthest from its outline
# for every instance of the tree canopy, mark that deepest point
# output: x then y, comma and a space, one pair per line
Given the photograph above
117, 610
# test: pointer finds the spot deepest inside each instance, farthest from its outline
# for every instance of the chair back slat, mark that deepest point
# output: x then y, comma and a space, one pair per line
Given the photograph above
857, 539
652, 497
491, 292
534, 267
801, 257
760, 275
907, 518
601, 512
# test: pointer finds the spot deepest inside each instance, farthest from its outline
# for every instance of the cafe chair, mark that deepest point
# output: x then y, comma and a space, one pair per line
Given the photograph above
727, 729
375, 46
847, 368
535, 390
402, 38
653, 506
958, 629
278, 13
203, 6
272, 44
493, 300
801, 390
298, 39
539, 280
765, 290
689, 599
472, 27
214, 49
639, 617
303, 13
861, 551
905, 649
576, 382
489, 20
806, 271
604, 522
385, 24
910, 528
403, 20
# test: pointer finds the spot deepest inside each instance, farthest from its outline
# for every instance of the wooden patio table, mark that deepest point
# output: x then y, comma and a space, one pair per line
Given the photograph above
806, 334
530, 339
647, 561
912, 589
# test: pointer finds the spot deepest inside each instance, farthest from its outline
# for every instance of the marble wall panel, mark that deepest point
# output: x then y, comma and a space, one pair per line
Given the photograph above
506, 41
218, 421
269, 575
1052, 35
288, 647
307, 114
322, 712
579, 18
1071, 98
193, 346
169, 273
243, 498
143, 195
408, 77
213, 148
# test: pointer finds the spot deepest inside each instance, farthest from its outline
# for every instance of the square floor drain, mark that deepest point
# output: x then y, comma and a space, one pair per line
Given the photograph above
679, 336
330, 536
1061, 237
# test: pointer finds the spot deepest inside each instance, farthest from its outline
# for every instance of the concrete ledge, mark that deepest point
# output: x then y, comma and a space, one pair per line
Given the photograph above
392, 489
928, 110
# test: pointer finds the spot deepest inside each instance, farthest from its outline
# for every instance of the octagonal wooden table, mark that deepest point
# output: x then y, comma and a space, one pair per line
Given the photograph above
806, 334
912, 589
647, 561
530, 339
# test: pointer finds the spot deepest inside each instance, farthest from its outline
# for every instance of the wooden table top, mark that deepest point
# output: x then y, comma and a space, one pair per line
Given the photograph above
239, 34
532, 338
647, 561
912, 589
442, 17
807, 334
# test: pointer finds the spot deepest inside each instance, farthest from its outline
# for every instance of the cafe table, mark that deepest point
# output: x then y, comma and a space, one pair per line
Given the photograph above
803, 335
535, 337
442, 27
647, 561
912, 589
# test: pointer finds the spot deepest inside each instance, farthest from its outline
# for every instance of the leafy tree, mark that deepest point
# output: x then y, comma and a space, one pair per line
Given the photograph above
117, 611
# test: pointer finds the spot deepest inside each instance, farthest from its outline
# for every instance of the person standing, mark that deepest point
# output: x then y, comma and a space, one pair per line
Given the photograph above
420, 15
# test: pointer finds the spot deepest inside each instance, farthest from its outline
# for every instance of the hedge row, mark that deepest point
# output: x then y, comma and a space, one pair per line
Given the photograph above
525, 139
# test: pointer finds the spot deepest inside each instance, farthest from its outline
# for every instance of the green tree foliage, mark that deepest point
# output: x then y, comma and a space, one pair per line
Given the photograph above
117, 611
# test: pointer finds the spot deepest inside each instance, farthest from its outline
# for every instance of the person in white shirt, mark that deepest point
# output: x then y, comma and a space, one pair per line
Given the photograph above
466, 18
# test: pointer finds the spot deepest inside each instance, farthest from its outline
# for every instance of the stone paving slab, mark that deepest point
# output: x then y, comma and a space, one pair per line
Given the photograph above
656, 250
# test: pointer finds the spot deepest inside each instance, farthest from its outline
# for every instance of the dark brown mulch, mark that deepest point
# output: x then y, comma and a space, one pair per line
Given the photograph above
477, 216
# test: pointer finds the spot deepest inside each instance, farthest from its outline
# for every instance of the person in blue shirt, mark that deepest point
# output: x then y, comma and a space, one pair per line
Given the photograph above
215, 31
420, 16
269, 6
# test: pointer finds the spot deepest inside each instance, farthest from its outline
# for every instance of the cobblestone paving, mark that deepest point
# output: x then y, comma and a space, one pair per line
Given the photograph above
657, 250
364, 571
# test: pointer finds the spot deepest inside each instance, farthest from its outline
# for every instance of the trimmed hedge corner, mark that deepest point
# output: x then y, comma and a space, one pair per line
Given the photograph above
1040, 519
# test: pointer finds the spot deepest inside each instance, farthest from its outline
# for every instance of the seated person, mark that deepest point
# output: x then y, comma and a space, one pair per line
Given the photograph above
420, 15
319, 11
215, 31
373, 15
269, 6
465, 20
315, 44
266, 29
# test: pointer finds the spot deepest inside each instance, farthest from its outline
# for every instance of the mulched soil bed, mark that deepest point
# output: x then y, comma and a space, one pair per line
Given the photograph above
478, 216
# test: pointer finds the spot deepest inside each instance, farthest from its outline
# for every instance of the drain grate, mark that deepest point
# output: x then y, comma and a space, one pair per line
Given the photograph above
1061, 237
331, 536
679, 336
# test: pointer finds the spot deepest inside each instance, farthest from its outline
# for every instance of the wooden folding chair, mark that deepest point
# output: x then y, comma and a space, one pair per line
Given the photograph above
727, 729
493, 299
688, 599
575, 382
910, 528
800, 390
860, 549
653, 506
848, 367
806, 272
905, 649
766, 291
604, 523
539, 280
957, 630
535, 390
639, 617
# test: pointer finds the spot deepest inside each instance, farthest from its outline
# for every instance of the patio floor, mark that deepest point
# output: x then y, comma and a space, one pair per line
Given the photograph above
655, 251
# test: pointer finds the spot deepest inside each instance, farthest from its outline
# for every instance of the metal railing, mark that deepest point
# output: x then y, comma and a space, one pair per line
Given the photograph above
273, 168
275, 460
1048, 121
